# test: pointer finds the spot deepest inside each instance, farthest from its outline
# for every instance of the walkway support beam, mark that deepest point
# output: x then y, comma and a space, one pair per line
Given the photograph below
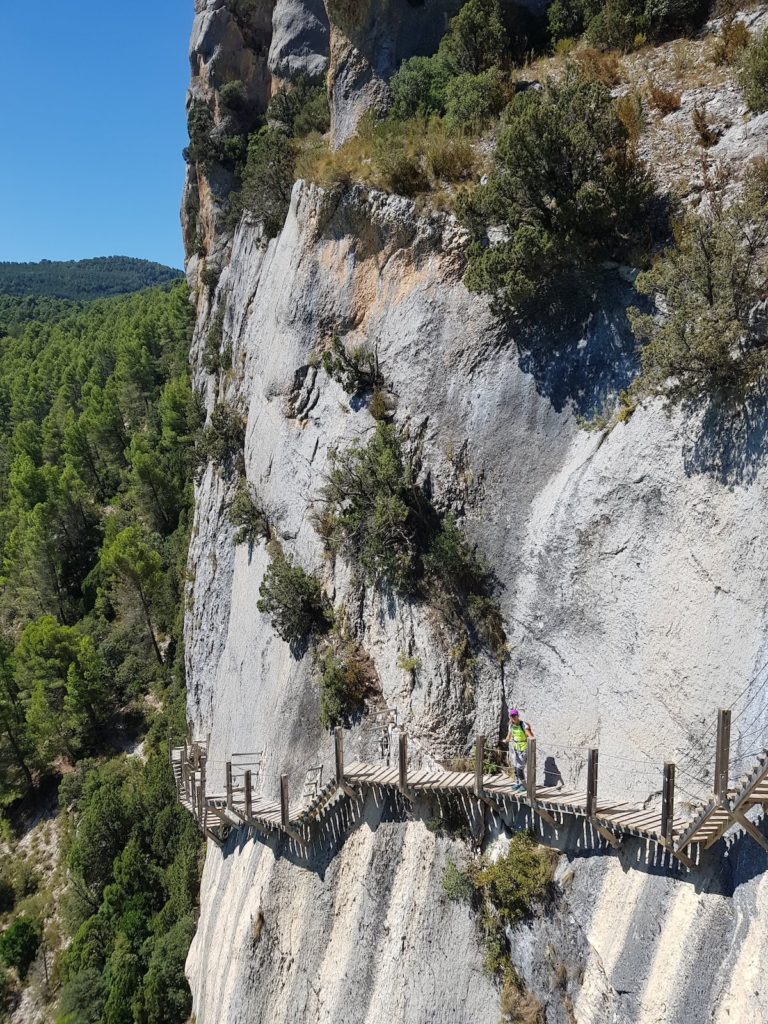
722, 754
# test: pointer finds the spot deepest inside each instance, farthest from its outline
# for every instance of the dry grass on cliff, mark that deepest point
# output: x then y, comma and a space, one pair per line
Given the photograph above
411, 158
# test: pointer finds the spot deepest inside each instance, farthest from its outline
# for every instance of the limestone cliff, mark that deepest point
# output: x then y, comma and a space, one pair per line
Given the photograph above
632, 566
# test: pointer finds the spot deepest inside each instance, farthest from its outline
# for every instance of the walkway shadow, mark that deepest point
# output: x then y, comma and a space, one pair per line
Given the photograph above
727, 437
584, 363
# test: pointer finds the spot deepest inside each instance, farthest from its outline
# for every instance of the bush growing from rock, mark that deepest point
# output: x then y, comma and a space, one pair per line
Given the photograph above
567, 188
377, 515
344, 682
418, 87
357, 371
268, 178
300, 108
374, 509
221, 442
246, 515
233, 95
753, 76
476, 39
710, 282
472, 101
622, 23
19, 944
212, 350
293, 599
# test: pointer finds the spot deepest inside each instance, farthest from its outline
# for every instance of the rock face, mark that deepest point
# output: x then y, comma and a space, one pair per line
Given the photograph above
299, 39
632, 568
633, 591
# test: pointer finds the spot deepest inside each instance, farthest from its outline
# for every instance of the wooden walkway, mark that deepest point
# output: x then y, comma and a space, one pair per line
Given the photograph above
241, 804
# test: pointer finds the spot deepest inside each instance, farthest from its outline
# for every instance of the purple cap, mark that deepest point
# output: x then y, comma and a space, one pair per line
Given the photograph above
513, 712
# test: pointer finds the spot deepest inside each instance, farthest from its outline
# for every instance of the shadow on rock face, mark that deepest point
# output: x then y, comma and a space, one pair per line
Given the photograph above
726, 437
585, 362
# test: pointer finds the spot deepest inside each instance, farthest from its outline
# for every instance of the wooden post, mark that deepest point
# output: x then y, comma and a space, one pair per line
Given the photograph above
530, 778
338, 738
722, 755
248, 795
668, 802
402, 763
592, 783
479, 764
228, 770
285, 818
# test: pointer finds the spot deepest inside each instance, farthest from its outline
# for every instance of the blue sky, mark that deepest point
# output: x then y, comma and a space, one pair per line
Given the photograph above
92, 126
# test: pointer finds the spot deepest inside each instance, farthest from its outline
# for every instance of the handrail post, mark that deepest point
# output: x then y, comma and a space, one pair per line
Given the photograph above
248, 795
668, 803
530, 778
722, 754
285, 818
402, 763
338, 738
479, 764
228, 770
592, 783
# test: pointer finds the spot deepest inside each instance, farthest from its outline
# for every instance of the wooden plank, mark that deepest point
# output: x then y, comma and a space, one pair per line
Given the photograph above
642, 817
228, 771
467, 781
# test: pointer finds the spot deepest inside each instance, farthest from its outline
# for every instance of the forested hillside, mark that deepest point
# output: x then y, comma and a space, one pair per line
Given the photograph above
97, 433
83, 279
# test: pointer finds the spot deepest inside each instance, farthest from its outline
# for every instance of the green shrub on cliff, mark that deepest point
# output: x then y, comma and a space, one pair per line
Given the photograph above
293, 599
710, 283
300, 108
620, 24
753, 75
268, 178
375, 513
19, 944
344, 681
503, 892
567, 188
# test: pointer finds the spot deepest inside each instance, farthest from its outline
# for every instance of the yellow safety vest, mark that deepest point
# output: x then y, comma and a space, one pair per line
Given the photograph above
519, 736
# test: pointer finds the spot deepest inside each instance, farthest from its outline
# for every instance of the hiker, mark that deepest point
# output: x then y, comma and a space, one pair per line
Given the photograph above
517, 738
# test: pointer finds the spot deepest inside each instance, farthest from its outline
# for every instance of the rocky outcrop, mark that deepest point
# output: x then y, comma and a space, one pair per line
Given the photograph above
299, 39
